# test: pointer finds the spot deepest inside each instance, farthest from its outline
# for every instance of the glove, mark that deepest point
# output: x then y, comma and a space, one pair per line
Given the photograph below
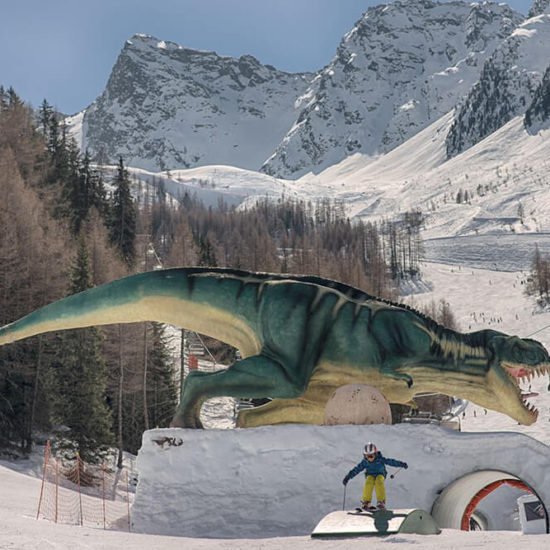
345, 481
405, 465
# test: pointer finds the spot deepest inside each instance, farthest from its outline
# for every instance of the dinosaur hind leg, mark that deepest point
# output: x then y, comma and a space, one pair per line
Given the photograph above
256, 376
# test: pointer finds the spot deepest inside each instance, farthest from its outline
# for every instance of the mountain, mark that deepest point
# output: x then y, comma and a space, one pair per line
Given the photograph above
500, 185
166, 106
538, 114
506, 87
402, 66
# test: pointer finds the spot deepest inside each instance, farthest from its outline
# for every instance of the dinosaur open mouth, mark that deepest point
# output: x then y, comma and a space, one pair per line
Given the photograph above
520, 374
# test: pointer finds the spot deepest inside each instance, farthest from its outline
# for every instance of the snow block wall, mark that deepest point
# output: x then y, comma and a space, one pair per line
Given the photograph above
281, 480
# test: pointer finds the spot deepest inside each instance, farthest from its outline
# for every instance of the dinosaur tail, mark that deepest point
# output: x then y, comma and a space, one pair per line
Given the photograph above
190, 298
121, 301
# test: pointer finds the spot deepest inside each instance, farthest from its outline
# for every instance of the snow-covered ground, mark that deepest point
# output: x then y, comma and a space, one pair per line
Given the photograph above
19, 530
505, 252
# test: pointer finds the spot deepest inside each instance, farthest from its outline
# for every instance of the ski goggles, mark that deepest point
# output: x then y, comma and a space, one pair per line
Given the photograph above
370, 455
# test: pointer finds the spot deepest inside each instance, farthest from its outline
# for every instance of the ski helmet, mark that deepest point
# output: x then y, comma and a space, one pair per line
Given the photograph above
370, 448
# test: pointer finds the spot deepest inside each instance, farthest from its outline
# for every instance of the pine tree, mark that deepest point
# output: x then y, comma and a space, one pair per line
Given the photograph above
79, 378
152, 391
161, 385
45, 115
92, 183
206, 252
122, 224
73, 206
83, 189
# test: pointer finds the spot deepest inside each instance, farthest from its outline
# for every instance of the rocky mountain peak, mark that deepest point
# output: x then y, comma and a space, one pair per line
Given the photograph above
167, 106
402, 66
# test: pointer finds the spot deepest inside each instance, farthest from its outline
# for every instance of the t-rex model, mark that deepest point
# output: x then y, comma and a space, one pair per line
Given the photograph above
301, 338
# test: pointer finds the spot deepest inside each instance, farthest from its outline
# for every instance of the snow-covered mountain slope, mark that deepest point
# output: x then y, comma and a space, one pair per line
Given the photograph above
501, 184
537, 115
210, 184
166, 106
506, 87
402, 66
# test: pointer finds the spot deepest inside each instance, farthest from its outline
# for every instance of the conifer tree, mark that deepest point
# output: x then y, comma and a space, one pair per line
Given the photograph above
122, 224
153, 391
45, 115
83, 189
206, 252
161, 385
80, 379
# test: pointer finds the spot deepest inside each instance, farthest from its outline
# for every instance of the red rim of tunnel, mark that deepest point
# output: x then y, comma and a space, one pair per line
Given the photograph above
487, 490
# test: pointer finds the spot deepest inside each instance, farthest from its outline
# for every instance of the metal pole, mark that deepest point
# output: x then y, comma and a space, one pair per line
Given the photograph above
128, 500
56, 488
344, 503
46, 458
78, 459
103, 494
397, 471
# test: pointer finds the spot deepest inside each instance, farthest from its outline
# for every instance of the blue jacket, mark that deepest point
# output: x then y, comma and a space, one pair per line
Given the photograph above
376, 467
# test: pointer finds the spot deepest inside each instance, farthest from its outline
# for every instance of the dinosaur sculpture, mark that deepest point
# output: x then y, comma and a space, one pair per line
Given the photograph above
300, 338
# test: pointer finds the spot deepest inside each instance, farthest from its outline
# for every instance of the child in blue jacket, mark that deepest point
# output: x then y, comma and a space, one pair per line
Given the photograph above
374, 465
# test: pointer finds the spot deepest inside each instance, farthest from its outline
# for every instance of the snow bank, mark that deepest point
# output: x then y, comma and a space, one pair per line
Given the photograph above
281, 480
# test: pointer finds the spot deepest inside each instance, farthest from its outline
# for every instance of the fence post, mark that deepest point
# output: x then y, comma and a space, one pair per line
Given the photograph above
46, 458
103, 494
78, 461
128, 501
56, 487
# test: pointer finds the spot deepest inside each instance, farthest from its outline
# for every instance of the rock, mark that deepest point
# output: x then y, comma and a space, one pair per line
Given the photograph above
357, 404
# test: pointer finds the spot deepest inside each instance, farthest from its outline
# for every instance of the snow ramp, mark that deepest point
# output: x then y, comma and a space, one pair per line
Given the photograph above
379, 523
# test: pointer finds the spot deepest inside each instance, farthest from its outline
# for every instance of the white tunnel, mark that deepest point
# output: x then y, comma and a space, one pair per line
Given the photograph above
457, 501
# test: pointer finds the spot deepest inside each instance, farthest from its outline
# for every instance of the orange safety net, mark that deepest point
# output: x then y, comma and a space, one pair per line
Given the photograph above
83, 494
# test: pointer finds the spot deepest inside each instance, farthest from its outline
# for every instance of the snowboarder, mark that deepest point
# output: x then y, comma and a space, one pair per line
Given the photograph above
374, 465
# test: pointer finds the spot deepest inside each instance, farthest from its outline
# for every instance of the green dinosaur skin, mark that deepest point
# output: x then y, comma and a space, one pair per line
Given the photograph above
300, 339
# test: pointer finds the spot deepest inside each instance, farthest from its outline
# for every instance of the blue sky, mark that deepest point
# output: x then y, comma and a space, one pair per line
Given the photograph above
63, 50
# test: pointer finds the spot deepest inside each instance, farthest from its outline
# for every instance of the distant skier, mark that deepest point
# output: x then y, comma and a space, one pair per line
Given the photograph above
374, 465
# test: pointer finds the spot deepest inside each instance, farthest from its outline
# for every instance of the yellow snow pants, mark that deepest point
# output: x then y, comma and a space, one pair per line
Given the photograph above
374, 483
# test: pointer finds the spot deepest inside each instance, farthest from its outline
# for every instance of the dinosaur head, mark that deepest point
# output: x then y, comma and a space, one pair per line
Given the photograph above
486, 368
513, 360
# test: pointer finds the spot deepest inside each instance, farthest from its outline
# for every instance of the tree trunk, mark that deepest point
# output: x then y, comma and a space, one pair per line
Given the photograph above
120, 384
35, 392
